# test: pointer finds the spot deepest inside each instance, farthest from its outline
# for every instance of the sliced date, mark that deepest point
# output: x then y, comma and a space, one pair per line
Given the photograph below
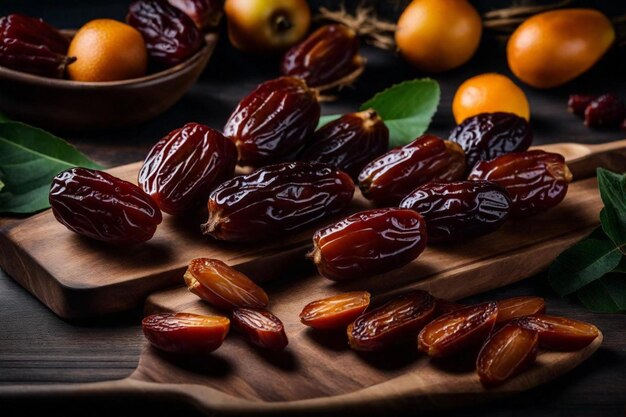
560, 333
335, 312
261, 328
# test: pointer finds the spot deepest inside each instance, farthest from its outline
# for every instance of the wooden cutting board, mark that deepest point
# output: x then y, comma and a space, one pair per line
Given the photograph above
78, 278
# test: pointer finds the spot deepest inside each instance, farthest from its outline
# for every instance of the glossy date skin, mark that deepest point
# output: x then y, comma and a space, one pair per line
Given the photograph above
30, 45
399, 319
275, 200
349, 142
326, 58
185, 333
535, 180
274, 121
261, 328
488, 135
183, 168
170, 35
368, 243
206, 14
335, 312
100, 206
389, 178
459, 210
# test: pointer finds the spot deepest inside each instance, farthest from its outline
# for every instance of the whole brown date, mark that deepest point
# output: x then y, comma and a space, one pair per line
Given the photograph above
273, 121
488, 135
368, 243
183, 168
328, 58
206, 14
459, 210
393, 175
535, 180
30, 45
171, 36
276, 199
349, 142
100, 206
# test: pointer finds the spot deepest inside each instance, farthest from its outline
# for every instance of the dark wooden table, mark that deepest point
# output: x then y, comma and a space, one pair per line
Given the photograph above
37, 347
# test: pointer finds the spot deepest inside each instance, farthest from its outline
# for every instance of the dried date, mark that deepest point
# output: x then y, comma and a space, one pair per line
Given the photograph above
606, 111
459, 330
30, 45
276, 199
185, 333
389, 178
335, 312
183, 168
368, 243
261, 328
170, 35
488, 135
577, 103
100, 206
274, 121
206, 14
223, 286
535, 180
459, 210
517, 307
349, 142
400, 319
560, 333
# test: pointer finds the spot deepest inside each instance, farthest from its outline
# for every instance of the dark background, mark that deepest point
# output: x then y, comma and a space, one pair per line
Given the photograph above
36, 347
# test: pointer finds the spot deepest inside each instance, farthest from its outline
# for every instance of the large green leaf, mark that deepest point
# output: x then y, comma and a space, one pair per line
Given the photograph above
613, 217
29, 159
606, 295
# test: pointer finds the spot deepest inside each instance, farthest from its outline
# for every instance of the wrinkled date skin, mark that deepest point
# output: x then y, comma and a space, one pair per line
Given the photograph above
274, 121
389, 178
185, 333
276, 199
349, 142
368, 243
328, 58
517, 307
223, 286
261, 328
183, 168
488, 135
335, 312
30, 45
206, 14
459, 330
506, 353
535, 180
100, 206
171, 36
460, 210
400, 319
560, 333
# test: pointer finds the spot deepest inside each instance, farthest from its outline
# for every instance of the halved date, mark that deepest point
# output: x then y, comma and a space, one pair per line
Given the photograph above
183, 168
400, 319
185, 333
459, 330
223, 286
349, 142
261, 328
100, 206
274, 121
459, 210
335, 312
535, 180
506, 353
560, 333
276, 199
389, 178
517, 307
368, 243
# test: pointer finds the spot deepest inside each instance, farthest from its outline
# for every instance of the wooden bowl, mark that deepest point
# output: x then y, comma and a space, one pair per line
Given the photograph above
76, 105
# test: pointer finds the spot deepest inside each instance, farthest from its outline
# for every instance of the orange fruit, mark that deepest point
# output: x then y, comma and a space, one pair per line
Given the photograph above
488, 93
438, 35
552, 48
107, 50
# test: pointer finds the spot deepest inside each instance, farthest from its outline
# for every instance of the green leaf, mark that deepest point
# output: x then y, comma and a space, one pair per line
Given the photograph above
613, 217
581, 264
606, 295
407, 109
29, 159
